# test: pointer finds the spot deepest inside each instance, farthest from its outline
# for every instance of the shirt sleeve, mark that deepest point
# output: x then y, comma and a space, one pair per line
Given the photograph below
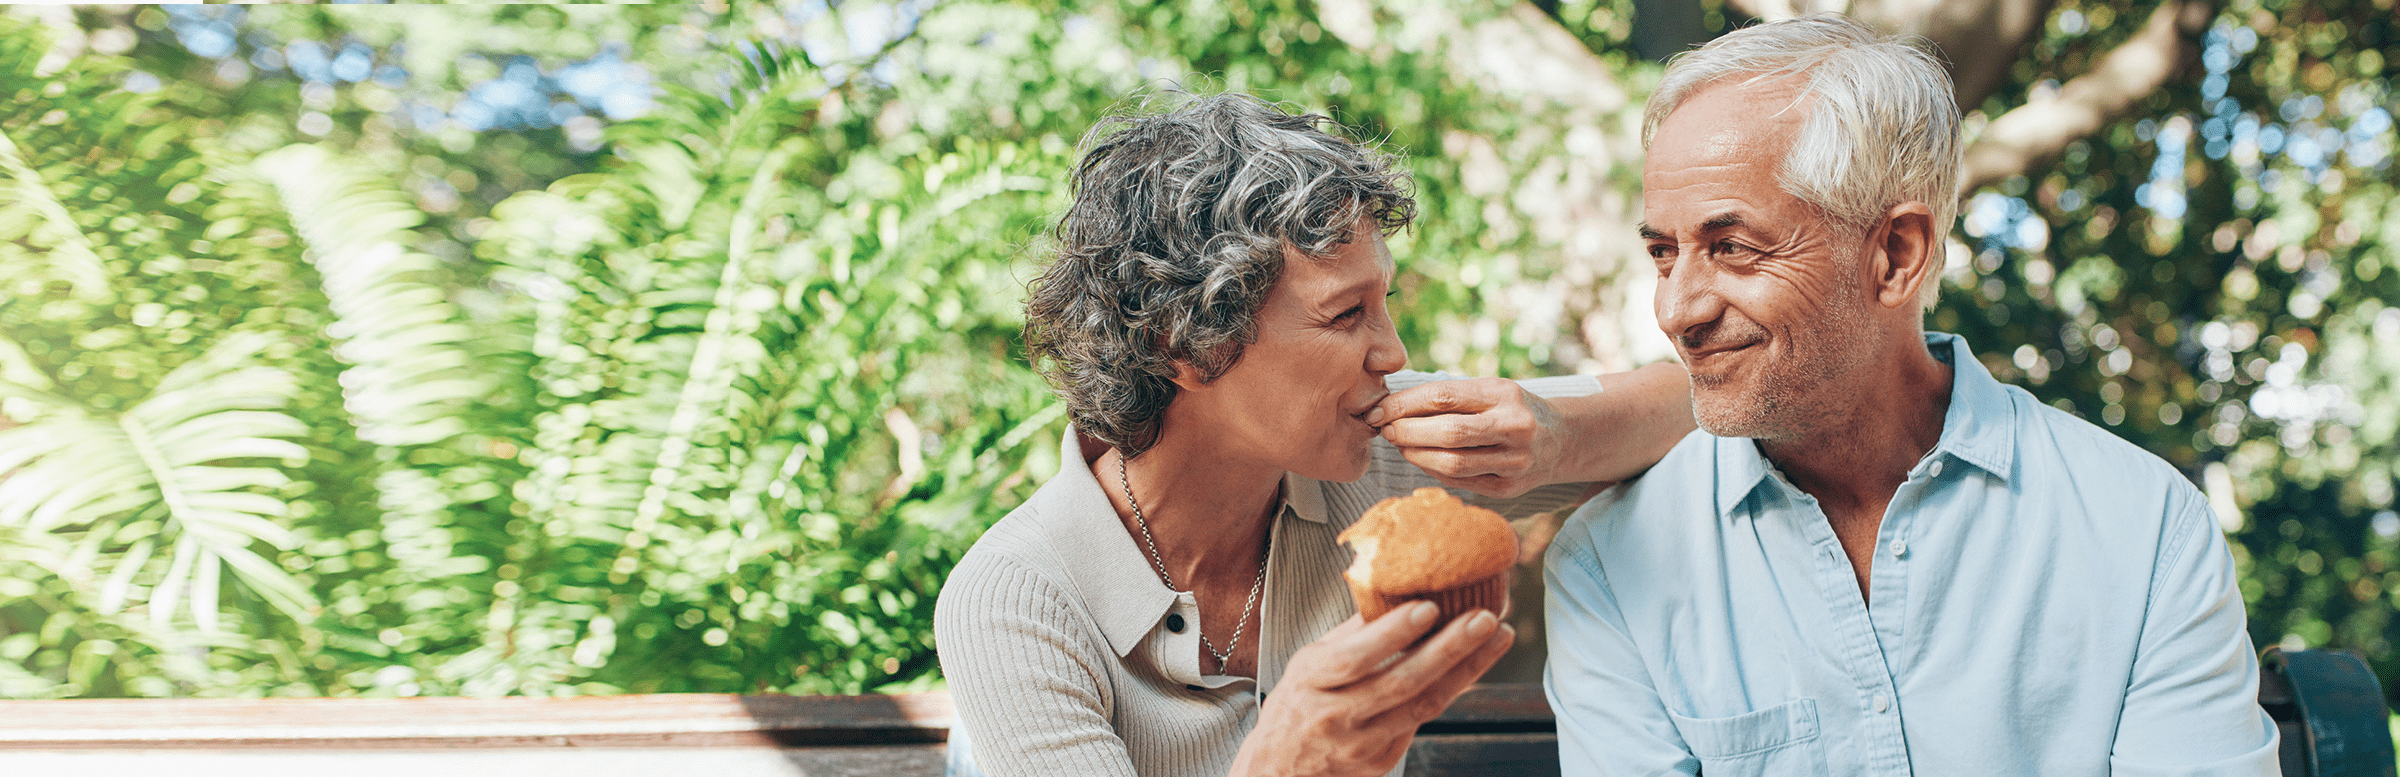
1610, 718
1396, 476
2191, 707
1023, 673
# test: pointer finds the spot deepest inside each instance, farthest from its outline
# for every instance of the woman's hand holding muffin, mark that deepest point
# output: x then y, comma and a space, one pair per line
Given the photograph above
1423, 561
1350, 703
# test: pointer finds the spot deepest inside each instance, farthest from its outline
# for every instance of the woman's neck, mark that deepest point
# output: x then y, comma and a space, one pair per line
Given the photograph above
1207, 515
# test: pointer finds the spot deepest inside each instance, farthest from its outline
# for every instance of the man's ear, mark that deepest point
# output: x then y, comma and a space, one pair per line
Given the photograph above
1905, 246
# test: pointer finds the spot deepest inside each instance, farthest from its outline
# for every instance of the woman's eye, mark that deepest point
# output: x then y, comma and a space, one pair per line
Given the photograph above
1352, 314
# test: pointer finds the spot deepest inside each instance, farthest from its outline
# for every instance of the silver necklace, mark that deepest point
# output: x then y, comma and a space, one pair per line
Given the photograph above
1224, 657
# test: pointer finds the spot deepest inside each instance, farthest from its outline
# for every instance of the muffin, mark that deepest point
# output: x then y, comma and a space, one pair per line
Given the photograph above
1431, 546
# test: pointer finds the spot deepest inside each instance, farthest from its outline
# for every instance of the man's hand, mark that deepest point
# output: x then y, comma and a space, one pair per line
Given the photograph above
1350, 702
1486, 435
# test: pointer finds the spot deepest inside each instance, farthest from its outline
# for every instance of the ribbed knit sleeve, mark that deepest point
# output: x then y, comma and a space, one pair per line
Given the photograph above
1028, 671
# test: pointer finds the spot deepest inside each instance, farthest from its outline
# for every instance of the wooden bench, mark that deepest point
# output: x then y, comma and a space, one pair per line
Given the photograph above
1501, 728
2328, 706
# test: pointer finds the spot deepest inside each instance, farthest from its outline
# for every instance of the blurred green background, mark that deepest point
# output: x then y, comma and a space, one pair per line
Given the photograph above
487, 350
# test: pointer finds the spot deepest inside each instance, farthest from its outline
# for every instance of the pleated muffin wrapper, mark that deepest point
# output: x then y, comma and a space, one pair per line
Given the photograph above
1489, 594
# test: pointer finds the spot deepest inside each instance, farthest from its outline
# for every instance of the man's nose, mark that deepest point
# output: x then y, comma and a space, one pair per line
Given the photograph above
1686, 299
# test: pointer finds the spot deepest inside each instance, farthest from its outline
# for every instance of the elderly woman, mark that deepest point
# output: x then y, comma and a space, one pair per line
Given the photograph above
1171, 603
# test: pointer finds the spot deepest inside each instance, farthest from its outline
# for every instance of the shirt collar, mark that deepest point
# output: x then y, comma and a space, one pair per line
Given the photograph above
1740, 468
1304, 497
1979, 428
1111, 573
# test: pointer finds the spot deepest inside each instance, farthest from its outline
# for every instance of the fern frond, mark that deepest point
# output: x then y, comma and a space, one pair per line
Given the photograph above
410, 374
708, 379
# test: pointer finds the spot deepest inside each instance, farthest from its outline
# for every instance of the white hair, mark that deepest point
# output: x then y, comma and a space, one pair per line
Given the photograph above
1884, 128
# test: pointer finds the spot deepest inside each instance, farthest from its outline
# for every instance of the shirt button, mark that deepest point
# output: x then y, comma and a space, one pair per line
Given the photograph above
1899, 547
1935, 470
1882, 702
1175, 623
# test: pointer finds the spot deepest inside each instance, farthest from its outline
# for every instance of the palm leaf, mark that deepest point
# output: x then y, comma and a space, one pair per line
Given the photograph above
175, 454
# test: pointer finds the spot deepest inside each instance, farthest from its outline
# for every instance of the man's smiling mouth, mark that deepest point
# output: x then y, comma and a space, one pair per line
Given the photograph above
1720, 349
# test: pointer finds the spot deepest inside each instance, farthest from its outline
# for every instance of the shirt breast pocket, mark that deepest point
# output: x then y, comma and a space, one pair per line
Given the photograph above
1779, 740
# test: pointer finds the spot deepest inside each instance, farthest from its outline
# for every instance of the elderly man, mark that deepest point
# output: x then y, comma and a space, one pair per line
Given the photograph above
1873, 558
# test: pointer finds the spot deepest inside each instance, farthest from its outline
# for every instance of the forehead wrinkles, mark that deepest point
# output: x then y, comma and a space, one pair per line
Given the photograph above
1676, 202
1663, 180
1734, 122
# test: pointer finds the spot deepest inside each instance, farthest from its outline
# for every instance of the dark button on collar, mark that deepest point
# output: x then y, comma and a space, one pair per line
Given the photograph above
1175, 622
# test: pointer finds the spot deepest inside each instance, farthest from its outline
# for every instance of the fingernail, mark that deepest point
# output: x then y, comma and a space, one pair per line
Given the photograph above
1375, 417
1482, 623
1423, 613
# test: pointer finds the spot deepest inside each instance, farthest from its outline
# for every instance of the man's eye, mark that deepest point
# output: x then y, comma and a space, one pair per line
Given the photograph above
1730, 247
1661, 251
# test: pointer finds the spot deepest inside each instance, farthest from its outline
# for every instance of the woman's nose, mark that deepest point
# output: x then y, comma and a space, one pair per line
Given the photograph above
1387, 355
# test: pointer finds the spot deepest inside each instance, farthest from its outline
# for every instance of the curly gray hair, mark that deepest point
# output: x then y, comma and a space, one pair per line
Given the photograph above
1177, 231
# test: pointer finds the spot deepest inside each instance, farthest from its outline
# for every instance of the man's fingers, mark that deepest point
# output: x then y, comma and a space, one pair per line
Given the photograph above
1468, 463
1450, 430
1489, 484
1350, 656
1445, 396
1494, 486
1444, 463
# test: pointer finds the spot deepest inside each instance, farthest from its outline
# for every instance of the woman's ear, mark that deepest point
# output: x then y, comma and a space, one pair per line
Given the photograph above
1187, 377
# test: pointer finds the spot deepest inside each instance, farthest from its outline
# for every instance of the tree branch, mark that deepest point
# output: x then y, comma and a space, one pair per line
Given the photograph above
1978, 40
1525, 53
2042, 128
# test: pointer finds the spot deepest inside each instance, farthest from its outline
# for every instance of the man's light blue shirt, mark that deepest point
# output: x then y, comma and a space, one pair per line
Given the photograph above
2047, 599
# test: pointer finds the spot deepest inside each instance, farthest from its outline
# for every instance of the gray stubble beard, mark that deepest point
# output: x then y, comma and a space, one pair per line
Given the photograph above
1796, 401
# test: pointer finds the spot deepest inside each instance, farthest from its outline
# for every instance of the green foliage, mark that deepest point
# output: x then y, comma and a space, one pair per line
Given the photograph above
741, 398
158, 433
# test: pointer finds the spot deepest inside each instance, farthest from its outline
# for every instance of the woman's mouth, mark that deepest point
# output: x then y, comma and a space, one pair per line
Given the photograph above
1369, 407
